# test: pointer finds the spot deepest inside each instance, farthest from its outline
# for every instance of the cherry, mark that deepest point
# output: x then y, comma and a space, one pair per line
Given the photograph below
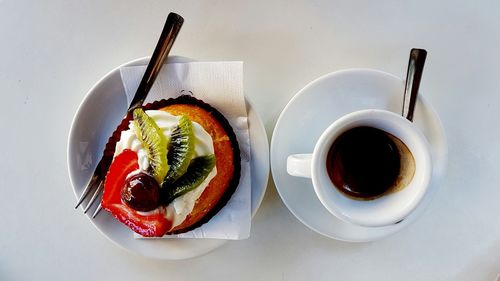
141, 192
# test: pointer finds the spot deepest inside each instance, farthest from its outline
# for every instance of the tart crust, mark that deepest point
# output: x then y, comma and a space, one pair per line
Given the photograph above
227, 159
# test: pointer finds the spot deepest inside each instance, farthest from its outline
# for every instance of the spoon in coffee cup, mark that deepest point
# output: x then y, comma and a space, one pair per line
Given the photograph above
413, 77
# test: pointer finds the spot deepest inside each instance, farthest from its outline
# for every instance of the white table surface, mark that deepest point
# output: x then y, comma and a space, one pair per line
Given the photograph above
52, 52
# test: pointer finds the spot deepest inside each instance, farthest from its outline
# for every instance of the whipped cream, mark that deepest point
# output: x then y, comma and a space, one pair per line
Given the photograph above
181, 206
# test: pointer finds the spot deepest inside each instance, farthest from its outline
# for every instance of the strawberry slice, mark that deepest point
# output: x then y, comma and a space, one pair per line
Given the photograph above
154, 224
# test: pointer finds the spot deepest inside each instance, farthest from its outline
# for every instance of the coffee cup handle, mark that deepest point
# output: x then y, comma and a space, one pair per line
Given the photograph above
299, 165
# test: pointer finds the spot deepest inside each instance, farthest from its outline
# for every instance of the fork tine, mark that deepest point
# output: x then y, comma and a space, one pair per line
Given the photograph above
94, 180
94, 197
90, 186
99, 208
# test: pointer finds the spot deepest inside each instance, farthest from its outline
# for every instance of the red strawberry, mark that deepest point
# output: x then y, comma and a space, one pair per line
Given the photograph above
152, 225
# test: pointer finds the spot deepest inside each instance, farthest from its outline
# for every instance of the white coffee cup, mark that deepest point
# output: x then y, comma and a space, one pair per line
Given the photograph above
388, 209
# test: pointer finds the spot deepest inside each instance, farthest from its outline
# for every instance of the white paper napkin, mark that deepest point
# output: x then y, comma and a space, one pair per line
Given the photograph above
219, 84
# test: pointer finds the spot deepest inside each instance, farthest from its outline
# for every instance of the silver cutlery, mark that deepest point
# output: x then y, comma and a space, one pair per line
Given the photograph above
169, 33
413, 77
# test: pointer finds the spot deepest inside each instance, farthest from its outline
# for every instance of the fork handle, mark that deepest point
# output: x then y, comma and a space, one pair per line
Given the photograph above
170, 31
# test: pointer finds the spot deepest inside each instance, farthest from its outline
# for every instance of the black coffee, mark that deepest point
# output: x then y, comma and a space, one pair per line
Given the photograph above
364, 162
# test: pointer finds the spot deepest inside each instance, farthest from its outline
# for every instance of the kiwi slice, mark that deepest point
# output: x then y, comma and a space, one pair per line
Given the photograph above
153, 142
181, 149
197, 172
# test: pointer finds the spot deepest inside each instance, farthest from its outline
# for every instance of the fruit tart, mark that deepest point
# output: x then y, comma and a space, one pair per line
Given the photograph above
176, 164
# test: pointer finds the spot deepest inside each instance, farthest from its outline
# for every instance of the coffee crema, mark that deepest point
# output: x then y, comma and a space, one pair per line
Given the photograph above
365, 163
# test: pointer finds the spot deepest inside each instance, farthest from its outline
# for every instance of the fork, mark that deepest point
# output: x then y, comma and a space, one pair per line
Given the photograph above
168, 35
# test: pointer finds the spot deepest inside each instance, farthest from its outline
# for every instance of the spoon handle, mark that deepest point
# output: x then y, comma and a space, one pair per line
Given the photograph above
170, 30
413, 77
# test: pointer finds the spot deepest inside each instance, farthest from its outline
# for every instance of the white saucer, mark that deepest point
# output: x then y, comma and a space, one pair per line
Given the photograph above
311, 111
97, 117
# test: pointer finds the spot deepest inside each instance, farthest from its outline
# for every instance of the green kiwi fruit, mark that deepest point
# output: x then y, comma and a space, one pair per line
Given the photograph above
153, 142
196, 173
181, 149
